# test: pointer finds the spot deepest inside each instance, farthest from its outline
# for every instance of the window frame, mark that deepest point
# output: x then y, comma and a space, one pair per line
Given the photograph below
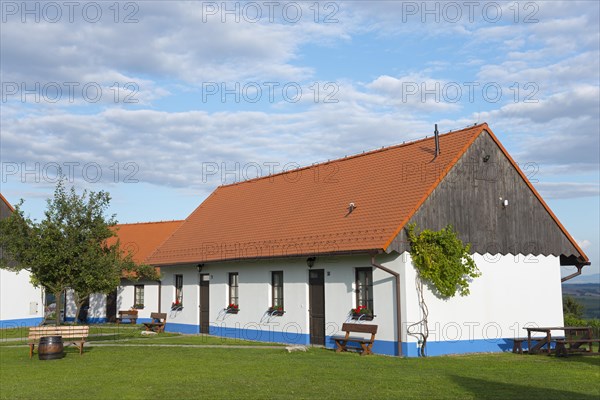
276, 300
364, 290
136, 297
234, 288
178, 288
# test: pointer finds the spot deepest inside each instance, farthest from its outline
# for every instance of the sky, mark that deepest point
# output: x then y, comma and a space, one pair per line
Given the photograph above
159, 103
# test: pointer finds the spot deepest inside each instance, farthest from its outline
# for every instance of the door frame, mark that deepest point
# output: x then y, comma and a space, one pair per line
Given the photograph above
312, 339
201, 288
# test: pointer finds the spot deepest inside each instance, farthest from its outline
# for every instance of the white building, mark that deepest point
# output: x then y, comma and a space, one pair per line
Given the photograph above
20, 303
141, 240
327, 238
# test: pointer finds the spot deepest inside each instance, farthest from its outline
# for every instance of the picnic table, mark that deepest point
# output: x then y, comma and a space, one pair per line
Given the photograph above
576, 336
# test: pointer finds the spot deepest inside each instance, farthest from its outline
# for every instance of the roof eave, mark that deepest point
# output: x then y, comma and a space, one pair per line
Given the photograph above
253, 259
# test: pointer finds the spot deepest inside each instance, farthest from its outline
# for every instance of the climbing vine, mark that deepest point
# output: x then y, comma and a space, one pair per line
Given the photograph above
442, 260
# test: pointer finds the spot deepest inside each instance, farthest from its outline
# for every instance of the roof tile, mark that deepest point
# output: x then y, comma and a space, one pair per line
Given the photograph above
305, 211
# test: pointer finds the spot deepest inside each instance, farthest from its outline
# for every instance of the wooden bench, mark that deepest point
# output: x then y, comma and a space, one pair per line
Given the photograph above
131, 315
574, 347
158, 323
73, 334
365, 343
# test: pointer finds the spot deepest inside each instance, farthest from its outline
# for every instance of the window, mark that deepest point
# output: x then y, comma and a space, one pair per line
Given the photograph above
277, 288
138, 296
179, 289
233, 288
364, 288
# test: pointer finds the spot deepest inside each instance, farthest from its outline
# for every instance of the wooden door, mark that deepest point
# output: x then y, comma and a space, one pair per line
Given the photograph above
204, 302
316, 294
111, 306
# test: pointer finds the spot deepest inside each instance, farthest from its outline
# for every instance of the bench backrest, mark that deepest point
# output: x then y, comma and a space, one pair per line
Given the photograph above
68, 332
161, 317
360, 328
127, 314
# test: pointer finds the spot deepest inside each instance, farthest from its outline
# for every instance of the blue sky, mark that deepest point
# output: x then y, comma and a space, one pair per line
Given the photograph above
158, 103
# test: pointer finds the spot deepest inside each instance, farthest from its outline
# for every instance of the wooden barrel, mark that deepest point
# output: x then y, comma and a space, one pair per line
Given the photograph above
51, 348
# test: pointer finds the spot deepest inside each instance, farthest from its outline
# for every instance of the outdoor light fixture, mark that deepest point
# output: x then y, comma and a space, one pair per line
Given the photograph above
310, 261
486, 158
200, 266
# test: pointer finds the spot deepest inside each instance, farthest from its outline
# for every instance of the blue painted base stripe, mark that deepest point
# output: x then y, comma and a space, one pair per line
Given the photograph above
181, 328
20, 323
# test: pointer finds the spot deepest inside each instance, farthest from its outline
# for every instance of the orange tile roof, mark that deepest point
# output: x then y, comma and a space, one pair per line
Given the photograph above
305, 211
143, 238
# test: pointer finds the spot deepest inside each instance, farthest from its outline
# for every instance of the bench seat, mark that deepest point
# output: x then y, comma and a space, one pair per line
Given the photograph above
132, 316
562, 350
159, 320
366, 343
74, 334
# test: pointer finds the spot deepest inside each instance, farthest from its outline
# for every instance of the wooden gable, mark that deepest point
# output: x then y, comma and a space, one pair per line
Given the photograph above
472, 197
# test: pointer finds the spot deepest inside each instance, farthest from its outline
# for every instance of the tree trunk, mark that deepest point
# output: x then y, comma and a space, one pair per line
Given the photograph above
59, 305
79, 302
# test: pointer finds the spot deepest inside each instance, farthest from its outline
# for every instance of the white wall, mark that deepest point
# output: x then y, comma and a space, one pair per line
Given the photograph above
126, 296
512, 292
255, 294
19, 300
96, 310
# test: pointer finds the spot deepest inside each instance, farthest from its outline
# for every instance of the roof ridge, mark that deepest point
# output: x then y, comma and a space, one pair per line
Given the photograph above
439, 180
352, 156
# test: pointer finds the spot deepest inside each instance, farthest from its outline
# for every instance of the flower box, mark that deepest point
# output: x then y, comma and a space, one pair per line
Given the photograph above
232, 309
363, 317
361, 313
276, 311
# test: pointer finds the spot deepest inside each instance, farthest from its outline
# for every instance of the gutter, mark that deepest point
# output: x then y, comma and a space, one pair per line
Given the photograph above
579, 267
398, 303
159, 294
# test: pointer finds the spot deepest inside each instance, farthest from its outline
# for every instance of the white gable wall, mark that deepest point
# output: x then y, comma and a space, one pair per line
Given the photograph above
20, 303
512, 292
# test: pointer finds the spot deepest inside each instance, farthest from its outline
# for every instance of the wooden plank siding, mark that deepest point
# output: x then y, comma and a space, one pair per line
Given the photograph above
469, 199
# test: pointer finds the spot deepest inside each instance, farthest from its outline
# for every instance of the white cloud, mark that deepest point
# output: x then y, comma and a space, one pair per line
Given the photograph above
567, 190
584, 244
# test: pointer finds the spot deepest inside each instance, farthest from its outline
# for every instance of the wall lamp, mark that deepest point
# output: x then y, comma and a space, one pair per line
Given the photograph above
200, 266
310, 261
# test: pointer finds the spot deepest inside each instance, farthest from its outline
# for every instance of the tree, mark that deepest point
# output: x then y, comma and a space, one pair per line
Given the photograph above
572, 307
68, 249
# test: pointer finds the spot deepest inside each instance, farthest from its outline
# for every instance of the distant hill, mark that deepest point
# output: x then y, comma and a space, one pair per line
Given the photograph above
587, 294
582, 279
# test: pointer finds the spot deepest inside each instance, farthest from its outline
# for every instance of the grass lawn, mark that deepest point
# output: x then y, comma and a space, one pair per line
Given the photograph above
182, 373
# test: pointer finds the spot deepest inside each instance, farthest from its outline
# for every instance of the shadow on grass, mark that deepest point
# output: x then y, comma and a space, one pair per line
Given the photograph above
584, 359
485, 389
